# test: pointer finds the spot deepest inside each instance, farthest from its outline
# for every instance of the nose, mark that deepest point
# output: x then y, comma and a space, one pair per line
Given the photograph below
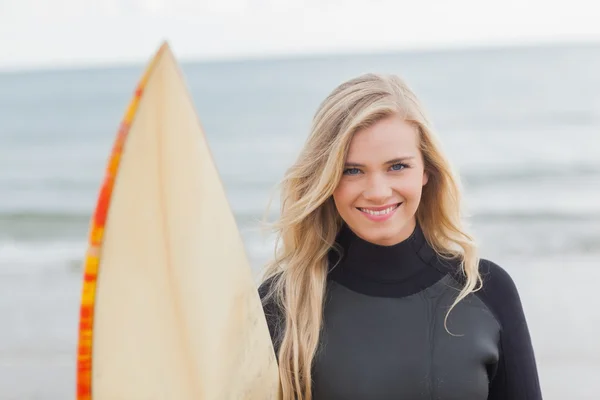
378, 190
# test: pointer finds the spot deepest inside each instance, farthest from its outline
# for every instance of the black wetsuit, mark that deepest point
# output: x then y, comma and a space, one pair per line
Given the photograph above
384, 337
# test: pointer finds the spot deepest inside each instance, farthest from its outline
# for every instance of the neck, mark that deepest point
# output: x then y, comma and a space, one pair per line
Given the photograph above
382, 263
399, 270
406, 232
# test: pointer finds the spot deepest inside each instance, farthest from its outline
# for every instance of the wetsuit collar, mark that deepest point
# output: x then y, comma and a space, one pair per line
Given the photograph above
383, 263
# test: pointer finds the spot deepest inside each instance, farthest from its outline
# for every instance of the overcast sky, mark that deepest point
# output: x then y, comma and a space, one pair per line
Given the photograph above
42, 33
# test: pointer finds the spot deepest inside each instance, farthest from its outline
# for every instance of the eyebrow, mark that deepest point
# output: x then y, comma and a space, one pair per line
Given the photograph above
393, 161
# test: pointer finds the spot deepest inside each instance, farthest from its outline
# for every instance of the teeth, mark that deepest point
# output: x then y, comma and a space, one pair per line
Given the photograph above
382, 212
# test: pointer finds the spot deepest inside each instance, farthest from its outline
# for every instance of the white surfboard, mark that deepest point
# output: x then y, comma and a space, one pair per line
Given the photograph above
169, 308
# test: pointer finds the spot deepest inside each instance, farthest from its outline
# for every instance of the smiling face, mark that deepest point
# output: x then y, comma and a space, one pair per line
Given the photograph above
380, 190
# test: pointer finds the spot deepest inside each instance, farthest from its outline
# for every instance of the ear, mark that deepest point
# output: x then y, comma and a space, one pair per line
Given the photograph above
425, 178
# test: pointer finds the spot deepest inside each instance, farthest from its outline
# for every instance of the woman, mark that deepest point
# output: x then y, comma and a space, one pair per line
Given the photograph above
377, 291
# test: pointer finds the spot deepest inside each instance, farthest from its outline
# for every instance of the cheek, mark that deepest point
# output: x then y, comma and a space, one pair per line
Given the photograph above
339, 195
411, 187
344, 196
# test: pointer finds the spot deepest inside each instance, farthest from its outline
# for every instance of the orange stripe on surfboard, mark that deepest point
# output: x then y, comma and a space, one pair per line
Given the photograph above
96, 234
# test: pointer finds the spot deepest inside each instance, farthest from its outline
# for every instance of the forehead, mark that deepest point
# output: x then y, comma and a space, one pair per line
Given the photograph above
387, 139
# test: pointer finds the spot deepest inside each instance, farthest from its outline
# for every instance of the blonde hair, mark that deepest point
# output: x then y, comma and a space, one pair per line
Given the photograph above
309, 222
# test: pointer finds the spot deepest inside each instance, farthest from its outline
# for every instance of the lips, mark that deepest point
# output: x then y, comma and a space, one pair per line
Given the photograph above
379, 211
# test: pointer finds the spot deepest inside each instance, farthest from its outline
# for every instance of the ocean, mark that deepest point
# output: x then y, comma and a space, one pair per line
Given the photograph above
521, 125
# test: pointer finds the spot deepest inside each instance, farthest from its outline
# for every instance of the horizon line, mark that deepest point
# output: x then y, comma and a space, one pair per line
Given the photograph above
82, 66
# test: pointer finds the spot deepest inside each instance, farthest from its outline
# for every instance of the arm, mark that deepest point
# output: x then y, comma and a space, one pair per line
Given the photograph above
516, 376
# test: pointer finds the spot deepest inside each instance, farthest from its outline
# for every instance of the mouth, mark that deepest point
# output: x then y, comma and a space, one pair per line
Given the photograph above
379, 211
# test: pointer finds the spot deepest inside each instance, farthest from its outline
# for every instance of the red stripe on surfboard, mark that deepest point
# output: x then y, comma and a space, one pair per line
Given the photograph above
91, 268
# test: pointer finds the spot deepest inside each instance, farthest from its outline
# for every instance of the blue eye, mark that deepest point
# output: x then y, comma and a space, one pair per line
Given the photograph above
351, 171
398, 167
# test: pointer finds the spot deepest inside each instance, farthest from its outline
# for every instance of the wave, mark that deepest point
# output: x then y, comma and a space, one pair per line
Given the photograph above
543, 118
529, 174
248, 217
532, 234
44, 216
532, 216
22, 258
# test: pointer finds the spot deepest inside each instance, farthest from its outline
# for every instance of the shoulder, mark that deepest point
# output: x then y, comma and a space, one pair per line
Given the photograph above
273, 312
266, 289
267, 297
496, 280
499, 292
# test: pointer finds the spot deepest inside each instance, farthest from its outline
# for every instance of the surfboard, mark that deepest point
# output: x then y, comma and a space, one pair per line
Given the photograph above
169, 307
